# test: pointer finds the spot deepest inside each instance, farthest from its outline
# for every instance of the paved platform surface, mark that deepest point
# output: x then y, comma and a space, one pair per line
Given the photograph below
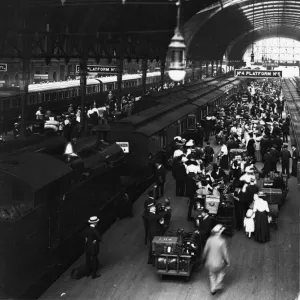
257, 272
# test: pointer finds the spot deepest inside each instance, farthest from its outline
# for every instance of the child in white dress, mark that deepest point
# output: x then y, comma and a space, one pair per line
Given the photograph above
249, 223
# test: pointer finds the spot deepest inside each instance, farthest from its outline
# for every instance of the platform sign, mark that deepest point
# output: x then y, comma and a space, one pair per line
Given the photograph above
99, 69
124, 146
257, 74
3, 67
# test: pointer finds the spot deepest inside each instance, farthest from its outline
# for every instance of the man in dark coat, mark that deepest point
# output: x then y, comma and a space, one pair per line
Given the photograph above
285, 160
160, 178
190, 192
285, 131
209, 154
154, 227
267, 162
295, 158
205, 226
251, 189
180, 177
275, 157
92, 239
200, 135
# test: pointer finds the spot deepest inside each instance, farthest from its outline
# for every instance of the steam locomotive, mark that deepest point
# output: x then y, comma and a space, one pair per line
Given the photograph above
45, 202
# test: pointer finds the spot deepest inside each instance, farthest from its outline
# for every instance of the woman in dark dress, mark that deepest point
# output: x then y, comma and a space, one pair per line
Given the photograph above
251, 146
261, 210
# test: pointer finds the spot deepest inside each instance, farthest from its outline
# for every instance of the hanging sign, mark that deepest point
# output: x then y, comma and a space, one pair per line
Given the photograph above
124, 146
3, 67
257, 74
99, 69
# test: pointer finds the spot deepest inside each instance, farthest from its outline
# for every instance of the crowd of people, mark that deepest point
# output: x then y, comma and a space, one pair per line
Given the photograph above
253, 134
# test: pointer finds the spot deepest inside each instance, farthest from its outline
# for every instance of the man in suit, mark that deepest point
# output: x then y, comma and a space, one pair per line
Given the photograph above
295, 158
216, 258
180, 177
267, 163
190, 192
154, 229
147, 204
275, 157
205, 226
285, 131
200, 135
209, 154
160, 178
92, 239
285, 160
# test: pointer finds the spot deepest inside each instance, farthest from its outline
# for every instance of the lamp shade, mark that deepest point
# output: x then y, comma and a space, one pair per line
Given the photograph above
177, 75
177, 51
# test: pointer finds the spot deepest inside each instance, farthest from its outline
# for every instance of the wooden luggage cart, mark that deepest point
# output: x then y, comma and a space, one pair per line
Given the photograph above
174, 265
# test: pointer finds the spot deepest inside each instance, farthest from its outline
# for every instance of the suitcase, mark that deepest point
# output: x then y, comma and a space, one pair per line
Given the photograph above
268, 182
167, 243
274, 213
212, 204
272, 196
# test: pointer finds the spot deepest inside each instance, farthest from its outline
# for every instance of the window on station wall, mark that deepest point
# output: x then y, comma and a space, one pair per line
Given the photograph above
282, 54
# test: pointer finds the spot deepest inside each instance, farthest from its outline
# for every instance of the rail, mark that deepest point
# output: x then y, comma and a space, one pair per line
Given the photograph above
291, 94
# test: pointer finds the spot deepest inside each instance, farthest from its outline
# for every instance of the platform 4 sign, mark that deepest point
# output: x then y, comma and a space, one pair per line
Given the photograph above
99, 69
257, 74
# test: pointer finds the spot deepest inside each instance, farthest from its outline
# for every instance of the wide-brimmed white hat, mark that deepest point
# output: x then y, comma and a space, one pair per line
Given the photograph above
93, 220
190, 143
178, 138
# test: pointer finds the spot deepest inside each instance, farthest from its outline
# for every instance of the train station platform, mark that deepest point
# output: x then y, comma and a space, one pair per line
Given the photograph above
258, 271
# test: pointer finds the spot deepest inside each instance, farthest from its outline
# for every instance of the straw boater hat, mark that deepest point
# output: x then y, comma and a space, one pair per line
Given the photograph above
218, 229
178, 138
93, 220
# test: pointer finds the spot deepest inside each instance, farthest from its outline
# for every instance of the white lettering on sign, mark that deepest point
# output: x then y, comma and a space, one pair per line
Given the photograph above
124, 146
257, 74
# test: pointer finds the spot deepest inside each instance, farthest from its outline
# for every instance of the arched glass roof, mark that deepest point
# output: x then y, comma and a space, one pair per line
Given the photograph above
266, 18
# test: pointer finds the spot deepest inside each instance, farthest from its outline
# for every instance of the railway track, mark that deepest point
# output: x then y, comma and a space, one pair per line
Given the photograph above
291, 94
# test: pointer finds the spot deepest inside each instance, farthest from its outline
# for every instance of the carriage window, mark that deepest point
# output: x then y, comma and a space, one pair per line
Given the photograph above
32, 99
53, 96
6, 104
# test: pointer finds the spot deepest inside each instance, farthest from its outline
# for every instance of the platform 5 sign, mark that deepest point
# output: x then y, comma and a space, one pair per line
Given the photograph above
257, 74
3, 67
99, 69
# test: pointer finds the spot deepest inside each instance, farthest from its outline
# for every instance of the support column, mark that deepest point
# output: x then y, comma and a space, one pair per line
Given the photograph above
217, 65
144, 74
201, 63
193, 70
206, 68
162, 73
212, 68
83, 74
24, 82
120, 75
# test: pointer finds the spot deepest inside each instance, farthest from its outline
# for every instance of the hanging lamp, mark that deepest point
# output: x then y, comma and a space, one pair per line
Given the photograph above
252, 54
